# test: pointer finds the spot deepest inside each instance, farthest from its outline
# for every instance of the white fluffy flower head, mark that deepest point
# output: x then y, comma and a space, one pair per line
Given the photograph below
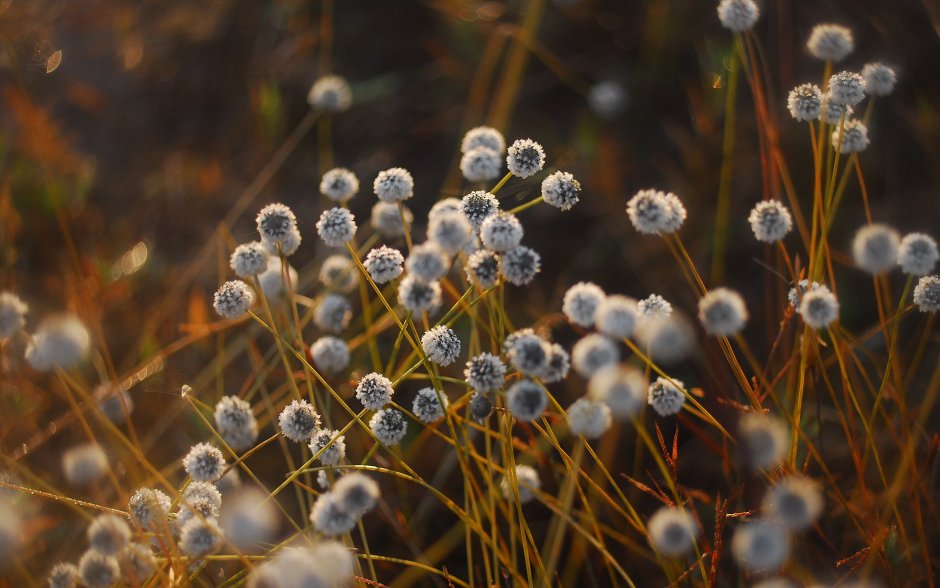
846, 88
384, 264
336, 226
59, 342
520, 265
589, 418
330, 93
394, 185
879, 79
298, 421
875, 248
830, 42
738, 15
581, 302
805, 102
526, 400
481, 164
927, 294
722, 312
389, 426
339, 184
330, 354
593, 352
917, 254
487, 137
665, 396
672, 531
442, 345
204, 463
12, 314
561, 190
770, 221
501, 232
374, 391
525, 158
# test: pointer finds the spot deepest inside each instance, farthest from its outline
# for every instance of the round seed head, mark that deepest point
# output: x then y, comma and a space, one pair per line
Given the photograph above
12, 314
84, 464
819, 307
485, 372
148, 506
236, 423
764, 439
417, 296
389, 426
330, 354
483, 268
330, 93
593, 352
481, 406
298, 421
501, 232
481, 164
427, 407
487, 137
589, 418
477, 206
617, 316
394, 185
795, 502
60, 342
336, 226
665, 396
525, 158
653, 212
384, 264
526, 400
917, 254
427, 262
875, 248
63, 575
667, 339
846, 88
275, 223
561, 190
852, 138
520, 265
927, 294
830, 42
805, 102
738, 15
770, 220
331, 443
374, 391
445, 206
339, 273
386, 219
274, 281
330, 518
760, 545
339, 184
722, 312
581, 302
442, 345
527, 483
357, 493
654, 306
528, 352
879, 79
834, 113
451, 231
204, 463
557, 365
333, 313
233, 299
108, 534
249, 259
623, 389
672, 531
200, 537
97, 570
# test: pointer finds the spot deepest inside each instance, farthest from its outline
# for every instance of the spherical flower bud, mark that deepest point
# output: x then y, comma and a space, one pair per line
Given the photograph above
667, 339
275, 280
233, 299
805, 102
60, 342
277, 226
527, 483
357, 492
374, 391
917, 254
524, 158
336, 226
623, 389
236, 423
200, 537
795, 502
738, 15
760, 545
249, 259
851, 138
339, 273
526, 400
97, 570
830, 42
519, 266
108, 534
330, 445
207, 492
589, 418
722, 312
298, 421
204, 463
427, 406
835, 113
581, 302
389, 426
63, 575
672, 531
483, 268
527, 351
481, 164
557, 365
770, 220
501, 232
451, 231
330, 354
442, 345
394, 185
477, 206
795, 295
485, 372
417, 296
819, 307
445, 206
333, 313
846, 88
653, 212
84, 464
481, 406
666, 397
387, 219
487, 137
384, 264
12, 314
764, 438
593, 352
875, 248
879, 79
561, 190
330, 93
927, 294
654, 306
149, 507
427, 262
617, 316
339, 184
330, 518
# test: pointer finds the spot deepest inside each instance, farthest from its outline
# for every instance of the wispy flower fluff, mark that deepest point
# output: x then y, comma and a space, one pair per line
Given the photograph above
667, 339
236, 423
487, 137
249, 259
329, 517
653, 212
875, 248
525, 158
427, 262
200, 537
927, 294
233, 299
557, 365
478, 206
527, 351
387, 219
83, 464
63, 575
330, 354
12, 314
357, 492
589, 418
770, 220
917, 254
339, 184
501, 232
298, 421
336, 226
394, 185
204, 463
97, 570
526, 400
520, 265
481, 164
203, 498
760, 545
830, 42
879, 79
795, 502
108, 534
738, 15
332, 445
148, 507
805, 102
722, 312
275, 280
834, 113
384, 264
581, 302
561, 190
417, 296
819, 307
330, 93
764, 439
483, 268
427, 406
389, 426
672, 531
277, 226
653, 306
617, 316
592, 352
665, 397
851, 138
481, 406
374, 391
451, 231
623, 389
485, 372
333, 313
339, 273
60, 342
442, 345
527, 483
846, 88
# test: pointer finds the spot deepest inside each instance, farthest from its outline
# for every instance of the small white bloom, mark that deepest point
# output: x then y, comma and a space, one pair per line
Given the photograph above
666, 397
384, 264
330, 93
394, 185
917, 254
770, 220
722, 312
527, 482
738, 15
830, 42
593, 352
336, 226
589, 418
525, 158
672, 531
561, 190
339, 184
875, 248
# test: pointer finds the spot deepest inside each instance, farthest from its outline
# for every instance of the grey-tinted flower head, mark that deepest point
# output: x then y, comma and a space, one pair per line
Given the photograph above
336, 226
59, 342
333, 313
478, 206
672, 531
63, 575
830, 42
275, 222
527, 482
738, 15
487, 137
927, 294
764, 439
879, 78
852, 138
722, 312
561, 190
451, 231
654, 306
794, 501
528, 352
665, 396
485, 372
12, 314
770, 221
200, 537
148, 507
875, 248
589, 418
481, 406
445, 206
339, 184
501, 232
805, 102
339, 273
526, 400
330, 93
834, 113
617, 316
233, 299
556, 366
330, 354
374, 391
275, 280
236, 423
427, 262
593, 352
394, 185
667, 339
204, 492
581, 302
760, 545
653, 212
483, 268
481, 164
442, 345
108, 534
332, 445
389, 426
917, 254
387, 219
417, 296
520, 265
357, 493
97, 570
298, 421
525, 158
83, 464
330, 518
427, 406
384, 264
249, 259
846, 88
204, 463
819, 307
621, 388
